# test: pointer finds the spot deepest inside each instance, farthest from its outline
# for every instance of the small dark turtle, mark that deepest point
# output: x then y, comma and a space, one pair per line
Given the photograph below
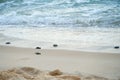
37, 53
116, 47
55, 45
7, 43
38, 47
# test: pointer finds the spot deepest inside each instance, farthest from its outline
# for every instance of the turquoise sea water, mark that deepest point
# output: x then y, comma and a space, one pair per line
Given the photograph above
79, 13
73, 24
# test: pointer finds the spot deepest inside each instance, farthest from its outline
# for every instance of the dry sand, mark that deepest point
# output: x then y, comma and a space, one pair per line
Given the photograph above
82, 65
28, 73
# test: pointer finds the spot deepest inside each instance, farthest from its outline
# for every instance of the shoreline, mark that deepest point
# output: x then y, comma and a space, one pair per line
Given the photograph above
103, 40
62, 49
95, 63
21, 43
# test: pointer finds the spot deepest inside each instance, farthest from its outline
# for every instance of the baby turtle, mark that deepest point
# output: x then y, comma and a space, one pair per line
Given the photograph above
55, 45
116, 47
7, 43
38, 53
38, 47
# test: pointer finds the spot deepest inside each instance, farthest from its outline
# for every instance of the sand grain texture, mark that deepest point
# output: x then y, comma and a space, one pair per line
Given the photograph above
28, 73
97, 66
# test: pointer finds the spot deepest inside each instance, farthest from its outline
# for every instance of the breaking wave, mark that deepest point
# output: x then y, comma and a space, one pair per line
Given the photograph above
80, 13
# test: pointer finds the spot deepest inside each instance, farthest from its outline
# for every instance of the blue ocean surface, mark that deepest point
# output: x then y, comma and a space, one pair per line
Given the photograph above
77, 13
74, 24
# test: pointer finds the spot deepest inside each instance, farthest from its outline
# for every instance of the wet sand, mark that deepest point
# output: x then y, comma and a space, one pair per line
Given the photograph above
74, 62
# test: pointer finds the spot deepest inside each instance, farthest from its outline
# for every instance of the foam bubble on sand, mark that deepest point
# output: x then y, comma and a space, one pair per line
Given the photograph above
28, 73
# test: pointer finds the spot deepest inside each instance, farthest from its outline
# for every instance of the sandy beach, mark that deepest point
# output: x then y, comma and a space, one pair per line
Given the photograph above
105, 65
59, 39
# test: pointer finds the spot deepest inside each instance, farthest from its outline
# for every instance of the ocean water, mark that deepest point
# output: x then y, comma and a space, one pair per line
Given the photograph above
79, 13
74, 24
